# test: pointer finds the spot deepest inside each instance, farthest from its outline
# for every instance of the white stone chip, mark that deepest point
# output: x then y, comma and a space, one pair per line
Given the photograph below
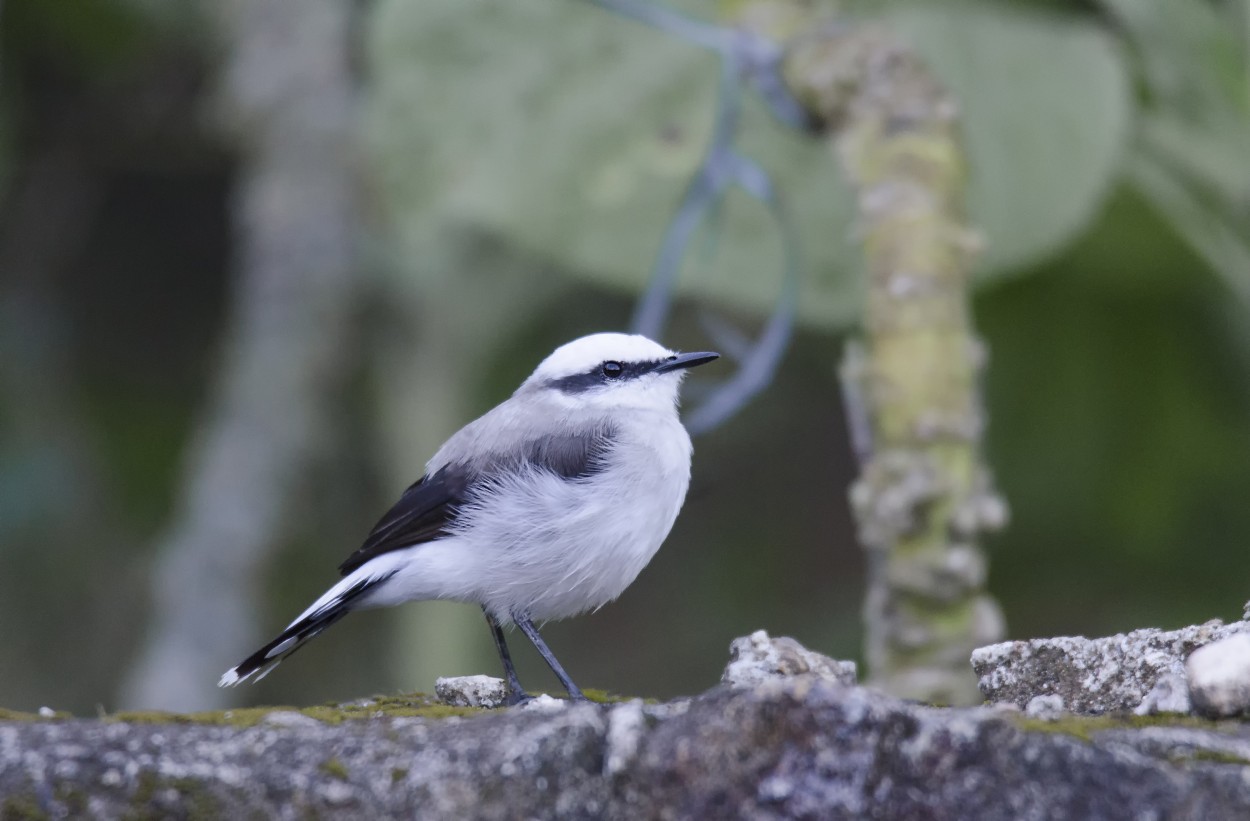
757, 658
1219, 677
544, 703
471, 691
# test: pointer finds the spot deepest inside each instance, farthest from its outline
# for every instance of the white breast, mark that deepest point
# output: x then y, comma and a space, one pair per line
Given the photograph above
549, 547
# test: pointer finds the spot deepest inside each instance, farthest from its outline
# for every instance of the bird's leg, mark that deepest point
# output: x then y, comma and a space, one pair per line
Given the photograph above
516, 694
531, 632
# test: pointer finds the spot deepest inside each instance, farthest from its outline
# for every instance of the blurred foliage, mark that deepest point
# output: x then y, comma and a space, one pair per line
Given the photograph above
1111, 176
1194, 138
1044, 146
91, 35
573, 132
1119, 390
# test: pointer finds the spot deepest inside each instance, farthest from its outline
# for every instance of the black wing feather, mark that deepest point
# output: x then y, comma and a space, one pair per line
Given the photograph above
421, 514
303, 630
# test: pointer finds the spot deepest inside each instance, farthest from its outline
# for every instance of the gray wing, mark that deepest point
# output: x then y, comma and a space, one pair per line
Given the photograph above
429, 507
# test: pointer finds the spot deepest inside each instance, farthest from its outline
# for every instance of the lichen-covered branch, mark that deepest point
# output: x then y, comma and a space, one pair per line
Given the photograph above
924, 494
287, 98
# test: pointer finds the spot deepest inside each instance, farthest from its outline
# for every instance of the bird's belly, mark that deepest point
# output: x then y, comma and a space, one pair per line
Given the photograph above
564, 547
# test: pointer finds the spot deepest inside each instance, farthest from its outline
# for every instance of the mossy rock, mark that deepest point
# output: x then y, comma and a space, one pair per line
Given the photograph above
412, 705
415, 705
1086, 727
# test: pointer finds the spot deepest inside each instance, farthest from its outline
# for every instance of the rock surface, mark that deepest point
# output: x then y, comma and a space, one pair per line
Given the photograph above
757, 658
789, 748
1219, 677
1092, 676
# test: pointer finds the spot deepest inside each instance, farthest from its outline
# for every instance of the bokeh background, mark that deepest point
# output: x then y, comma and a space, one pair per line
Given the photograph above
258, 258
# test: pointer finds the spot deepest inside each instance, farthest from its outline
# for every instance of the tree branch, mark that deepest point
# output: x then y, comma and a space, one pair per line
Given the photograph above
924, 495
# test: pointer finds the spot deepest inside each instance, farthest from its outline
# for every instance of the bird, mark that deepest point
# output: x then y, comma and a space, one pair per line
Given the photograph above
545, 507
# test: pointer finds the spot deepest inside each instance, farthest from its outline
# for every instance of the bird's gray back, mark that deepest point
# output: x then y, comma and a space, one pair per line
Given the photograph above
526, 429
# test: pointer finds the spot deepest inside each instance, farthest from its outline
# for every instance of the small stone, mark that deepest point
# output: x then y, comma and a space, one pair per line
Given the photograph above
47, 712
775, 788
757, 658
471, 691
1047, 708
1219, 677
336, 792
1170, 695
544, 703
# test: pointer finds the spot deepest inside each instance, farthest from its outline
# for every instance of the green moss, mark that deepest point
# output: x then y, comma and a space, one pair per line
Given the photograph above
398, 774
73, 800
22, 808
335, 769
18, 715
416, 705
1085, 727
196, 802
141, 801
235, 718
605, 697
1210, 756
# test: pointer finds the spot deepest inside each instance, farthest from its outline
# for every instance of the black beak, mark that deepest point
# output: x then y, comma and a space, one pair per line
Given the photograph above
686, 360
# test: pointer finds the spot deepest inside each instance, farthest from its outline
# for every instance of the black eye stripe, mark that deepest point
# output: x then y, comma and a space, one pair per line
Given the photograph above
604, 374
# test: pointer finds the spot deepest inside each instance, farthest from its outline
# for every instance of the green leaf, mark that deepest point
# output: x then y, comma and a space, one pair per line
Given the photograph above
1045, 107
1191, 56
1216, 235
571, 134
1190, 160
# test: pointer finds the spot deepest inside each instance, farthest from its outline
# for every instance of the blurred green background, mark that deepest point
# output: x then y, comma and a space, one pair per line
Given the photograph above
514, 166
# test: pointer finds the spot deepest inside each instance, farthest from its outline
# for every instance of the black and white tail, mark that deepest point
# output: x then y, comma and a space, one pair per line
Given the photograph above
335, 604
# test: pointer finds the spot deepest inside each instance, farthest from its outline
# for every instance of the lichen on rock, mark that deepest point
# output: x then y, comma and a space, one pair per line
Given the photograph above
757, 658
788, 747
1094, 676
471, 691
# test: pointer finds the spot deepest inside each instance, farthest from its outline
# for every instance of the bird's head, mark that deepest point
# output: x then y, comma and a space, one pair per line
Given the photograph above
612, 370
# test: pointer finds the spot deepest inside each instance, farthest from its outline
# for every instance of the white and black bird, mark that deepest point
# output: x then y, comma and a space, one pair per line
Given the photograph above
548, 506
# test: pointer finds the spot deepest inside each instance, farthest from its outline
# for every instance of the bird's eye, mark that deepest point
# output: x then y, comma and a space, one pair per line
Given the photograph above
613, 369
